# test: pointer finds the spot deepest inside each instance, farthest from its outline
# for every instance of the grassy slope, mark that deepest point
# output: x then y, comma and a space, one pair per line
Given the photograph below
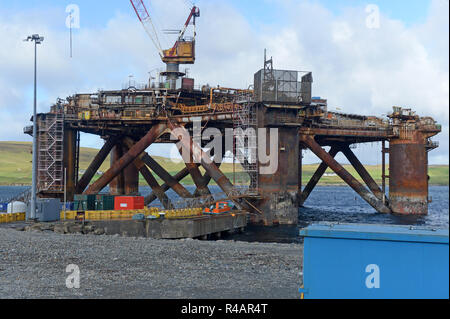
15, 167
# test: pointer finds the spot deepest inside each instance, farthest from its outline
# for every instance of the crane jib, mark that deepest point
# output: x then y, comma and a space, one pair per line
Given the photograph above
183, 51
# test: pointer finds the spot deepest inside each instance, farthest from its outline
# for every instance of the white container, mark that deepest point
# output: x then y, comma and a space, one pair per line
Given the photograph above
16, 207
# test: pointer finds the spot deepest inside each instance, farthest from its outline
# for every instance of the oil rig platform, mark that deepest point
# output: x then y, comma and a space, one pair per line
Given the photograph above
265, 128
280, 102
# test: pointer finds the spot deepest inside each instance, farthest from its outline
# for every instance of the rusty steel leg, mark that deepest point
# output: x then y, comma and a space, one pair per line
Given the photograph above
408, 175
359, 167
316, 177
95, 165
70, 149
152, 182
131, 177
279, 190
346, 176
117, 184
300, 175
383, 170
165, 187
128, 158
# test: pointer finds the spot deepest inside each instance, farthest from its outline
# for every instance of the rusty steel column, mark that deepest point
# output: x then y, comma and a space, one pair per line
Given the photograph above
408, 175
280, 189
155, 132
384, 151
165, 187
317, 176
70, 144
300, 175
346, 176
95, 164
131, 177
359, 167
117, 184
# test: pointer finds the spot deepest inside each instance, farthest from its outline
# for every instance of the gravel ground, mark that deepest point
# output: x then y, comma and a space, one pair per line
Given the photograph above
33, 265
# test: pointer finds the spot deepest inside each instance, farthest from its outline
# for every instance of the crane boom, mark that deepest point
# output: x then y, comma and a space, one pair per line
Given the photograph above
146, 20
182, 52
195, 13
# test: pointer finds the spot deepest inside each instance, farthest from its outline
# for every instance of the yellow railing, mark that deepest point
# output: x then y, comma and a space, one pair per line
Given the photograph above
10, 218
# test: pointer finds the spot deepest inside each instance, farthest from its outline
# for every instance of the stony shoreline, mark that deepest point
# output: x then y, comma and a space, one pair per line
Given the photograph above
33, 265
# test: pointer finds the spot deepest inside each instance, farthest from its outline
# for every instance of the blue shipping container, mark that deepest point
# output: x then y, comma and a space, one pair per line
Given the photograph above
3, 207
344, 261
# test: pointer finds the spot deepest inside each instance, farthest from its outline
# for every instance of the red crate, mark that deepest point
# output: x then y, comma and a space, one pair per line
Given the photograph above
187, 84
128, 203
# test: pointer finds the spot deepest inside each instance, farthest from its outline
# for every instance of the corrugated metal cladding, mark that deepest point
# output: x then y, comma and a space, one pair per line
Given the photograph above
344, 261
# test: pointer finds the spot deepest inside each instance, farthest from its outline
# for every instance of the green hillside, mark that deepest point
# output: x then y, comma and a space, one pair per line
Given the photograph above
15, 167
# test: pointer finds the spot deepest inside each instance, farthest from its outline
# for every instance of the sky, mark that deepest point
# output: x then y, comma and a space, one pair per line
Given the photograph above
361, 65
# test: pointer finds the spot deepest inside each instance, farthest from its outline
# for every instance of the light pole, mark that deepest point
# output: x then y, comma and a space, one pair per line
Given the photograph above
37, 40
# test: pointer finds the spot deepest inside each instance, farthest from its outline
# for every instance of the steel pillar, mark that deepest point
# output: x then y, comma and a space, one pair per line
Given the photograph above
408, 175
117, 184
70, 150
316, 177
280, 190
371, 199
131, 177
155, 132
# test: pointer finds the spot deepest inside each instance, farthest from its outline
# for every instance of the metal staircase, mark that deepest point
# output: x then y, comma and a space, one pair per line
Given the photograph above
50, 153
245, 149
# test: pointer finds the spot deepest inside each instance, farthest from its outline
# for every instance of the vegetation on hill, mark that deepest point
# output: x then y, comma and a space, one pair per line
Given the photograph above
15, 167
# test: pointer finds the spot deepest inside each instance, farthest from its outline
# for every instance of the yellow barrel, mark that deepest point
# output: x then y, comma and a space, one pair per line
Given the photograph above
2, 218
